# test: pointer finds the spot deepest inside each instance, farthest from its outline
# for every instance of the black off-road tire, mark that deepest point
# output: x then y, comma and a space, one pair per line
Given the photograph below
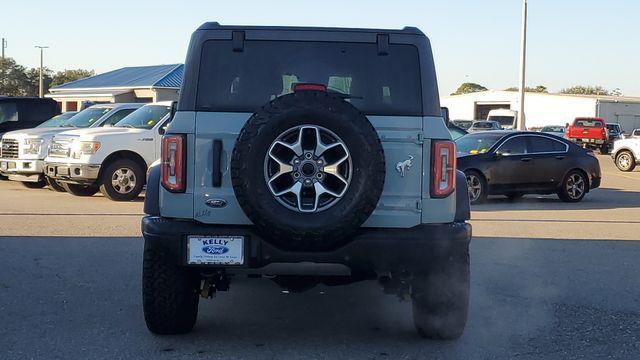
170, 293
106, 187
54, 185
632, 164
440, 297
34, 185
287, 228
80, 190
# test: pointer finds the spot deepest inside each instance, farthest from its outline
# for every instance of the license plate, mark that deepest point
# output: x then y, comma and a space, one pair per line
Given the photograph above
220, 250
3, 165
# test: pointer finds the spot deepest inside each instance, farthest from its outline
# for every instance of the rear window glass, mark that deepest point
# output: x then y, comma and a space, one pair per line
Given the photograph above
589, 123
247, 80
541, 144
483, 125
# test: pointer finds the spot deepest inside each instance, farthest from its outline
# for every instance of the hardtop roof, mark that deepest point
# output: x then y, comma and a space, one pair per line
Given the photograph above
407, 30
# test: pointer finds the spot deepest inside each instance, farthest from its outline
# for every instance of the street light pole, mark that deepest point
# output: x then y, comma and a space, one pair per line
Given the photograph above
41, 91
523, 58
4, 46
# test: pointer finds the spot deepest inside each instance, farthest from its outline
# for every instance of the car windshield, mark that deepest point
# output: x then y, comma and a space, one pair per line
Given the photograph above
558, 129
57, 121
146, 117
503, 120
87, 117
474, 144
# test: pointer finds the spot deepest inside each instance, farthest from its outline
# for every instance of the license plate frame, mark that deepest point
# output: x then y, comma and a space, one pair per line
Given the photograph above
227, 250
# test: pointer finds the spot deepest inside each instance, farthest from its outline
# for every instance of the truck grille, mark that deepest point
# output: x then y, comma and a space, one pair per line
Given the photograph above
59, 148
9, 149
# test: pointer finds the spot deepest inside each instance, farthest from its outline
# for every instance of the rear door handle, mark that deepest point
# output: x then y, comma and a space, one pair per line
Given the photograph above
526, 159
560, 157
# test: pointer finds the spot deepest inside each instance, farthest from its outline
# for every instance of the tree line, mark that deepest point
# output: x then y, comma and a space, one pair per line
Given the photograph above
468, 88
17, 80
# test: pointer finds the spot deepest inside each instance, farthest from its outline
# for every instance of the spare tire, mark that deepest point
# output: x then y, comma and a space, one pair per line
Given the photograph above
308, 169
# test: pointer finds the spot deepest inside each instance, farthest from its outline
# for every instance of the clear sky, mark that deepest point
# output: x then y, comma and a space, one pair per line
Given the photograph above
591, 42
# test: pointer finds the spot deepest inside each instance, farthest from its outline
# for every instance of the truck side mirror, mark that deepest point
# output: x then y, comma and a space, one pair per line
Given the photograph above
636, 133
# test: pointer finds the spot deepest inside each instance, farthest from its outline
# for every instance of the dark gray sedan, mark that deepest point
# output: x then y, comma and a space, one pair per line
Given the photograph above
515, 163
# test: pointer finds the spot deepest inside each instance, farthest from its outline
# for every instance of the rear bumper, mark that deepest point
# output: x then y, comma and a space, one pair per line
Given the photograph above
379, 250
21, 169
588, 141
72, 173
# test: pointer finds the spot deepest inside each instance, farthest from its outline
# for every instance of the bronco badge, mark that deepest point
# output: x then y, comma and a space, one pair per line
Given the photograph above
404, 166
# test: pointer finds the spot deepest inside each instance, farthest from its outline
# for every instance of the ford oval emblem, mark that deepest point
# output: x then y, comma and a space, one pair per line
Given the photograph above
216, 203
214, 249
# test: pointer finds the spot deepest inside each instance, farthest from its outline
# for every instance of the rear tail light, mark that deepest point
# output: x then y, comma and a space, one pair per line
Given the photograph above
173, 163
443, 168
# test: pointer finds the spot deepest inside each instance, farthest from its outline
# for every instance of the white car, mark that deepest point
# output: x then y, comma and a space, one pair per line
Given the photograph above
626, 152
112, 160
22, 152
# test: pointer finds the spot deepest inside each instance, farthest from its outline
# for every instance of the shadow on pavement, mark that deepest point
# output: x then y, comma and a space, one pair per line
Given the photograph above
597, 199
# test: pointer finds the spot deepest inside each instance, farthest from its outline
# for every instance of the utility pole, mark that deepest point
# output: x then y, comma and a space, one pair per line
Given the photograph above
523, 59
4, 46
41, 91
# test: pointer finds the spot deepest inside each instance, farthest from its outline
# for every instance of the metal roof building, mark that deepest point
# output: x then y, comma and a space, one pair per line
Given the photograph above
129, 84
542, 109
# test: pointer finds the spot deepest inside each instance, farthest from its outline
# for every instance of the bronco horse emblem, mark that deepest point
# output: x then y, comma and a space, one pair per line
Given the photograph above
404, 166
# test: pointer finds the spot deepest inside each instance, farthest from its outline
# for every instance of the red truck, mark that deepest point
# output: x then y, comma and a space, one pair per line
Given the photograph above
589, 133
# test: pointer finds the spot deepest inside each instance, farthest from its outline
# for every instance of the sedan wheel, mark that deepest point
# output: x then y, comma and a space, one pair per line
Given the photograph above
625, 161
574, 187
476, 187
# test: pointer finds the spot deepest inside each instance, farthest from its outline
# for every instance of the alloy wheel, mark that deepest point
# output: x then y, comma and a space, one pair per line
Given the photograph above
308, 168
123, 180
474, 186
575, 186
624, 161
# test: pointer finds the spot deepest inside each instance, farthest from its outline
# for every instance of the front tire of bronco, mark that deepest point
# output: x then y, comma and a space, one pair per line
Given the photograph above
169, 293
440, 298
122, 180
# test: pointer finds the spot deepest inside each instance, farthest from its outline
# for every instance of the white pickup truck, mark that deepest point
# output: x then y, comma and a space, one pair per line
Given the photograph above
626, 152
22, 152
112, 160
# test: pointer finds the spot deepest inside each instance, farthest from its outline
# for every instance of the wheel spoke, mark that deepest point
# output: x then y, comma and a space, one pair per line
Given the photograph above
321, 147
295, 189
333, 168
283, 168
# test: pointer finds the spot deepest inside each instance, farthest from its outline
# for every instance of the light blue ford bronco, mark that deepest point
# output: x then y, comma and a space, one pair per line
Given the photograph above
307, 156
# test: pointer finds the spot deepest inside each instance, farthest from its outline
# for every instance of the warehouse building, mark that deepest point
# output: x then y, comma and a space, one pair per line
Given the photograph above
547, 109
130, 84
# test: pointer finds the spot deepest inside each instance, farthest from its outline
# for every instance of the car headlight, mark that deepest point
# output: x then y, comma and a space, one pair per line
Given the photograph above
32, 146
85, 148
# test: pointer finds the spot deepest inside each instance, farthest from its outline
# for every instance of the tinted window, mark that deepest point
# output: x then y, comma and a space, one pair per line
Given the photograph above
541, 144
113, 119
483, 125
514, 146
244, 81
588, 123
8, 112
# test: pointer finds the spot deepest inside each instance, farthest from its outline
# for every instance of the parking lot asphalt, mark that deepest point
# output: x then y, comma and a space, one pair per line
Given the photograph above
549, 281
